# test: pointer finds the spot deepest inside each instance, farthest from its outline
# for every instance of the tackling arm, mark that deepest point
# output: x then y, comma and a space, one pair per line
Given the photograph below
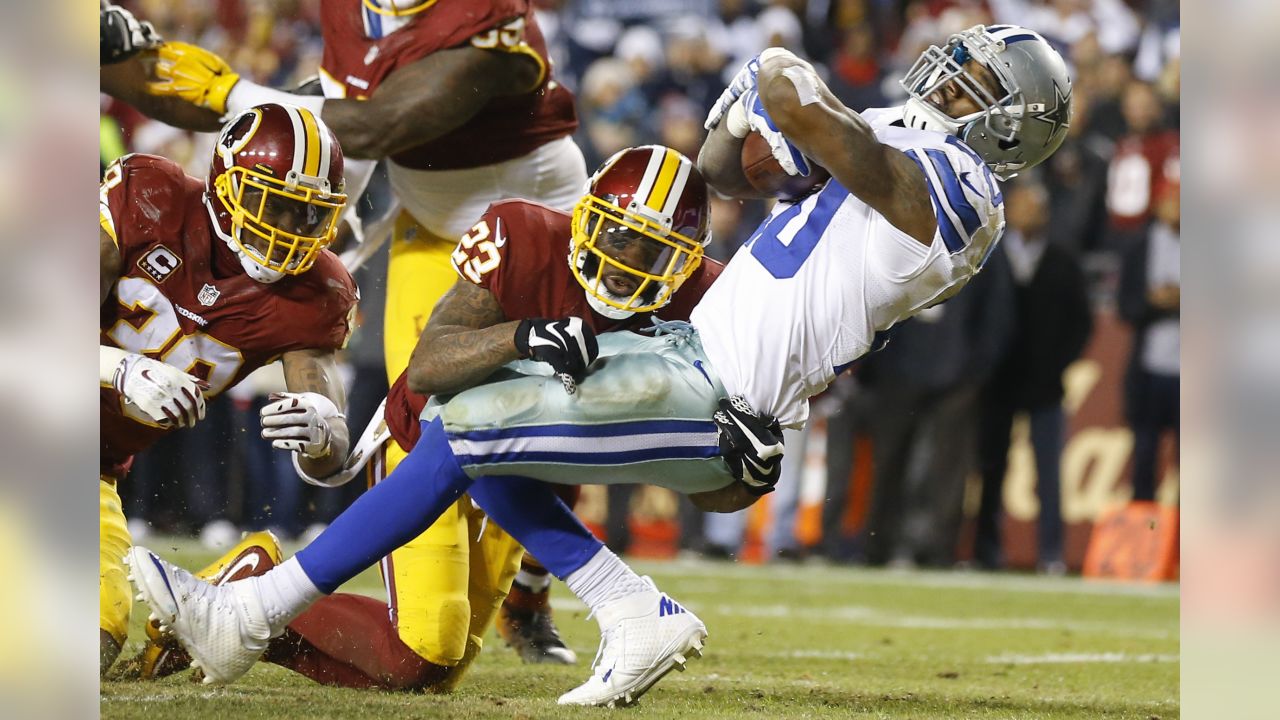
423, 101
467, 338
316, 371
838, 139
127, 81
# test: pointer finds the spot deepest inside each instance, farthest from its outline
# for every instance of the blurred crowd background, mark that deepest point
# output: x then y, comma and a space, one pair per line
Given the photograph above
960, 442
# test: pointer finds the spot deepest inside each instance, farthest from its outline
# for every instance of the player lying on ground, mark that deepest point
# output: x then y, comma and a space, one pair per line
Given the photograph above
459, 97
637, 238
911, 211
202, 282
514, 289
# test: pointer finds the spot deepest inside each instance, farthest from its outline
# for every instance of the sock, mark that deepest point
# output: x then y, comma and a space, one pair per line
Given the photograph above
285, 591
347, 640
389, 514
605, 578
532, 514
534, 581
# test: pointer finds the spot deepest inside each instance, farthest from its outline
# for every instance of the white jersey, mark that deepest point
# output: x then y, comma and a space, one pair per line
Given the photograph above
806, 294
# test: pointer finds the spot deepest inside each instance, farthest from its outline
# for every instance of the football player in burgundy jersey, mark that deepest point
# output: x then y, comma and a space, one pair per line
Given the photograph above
205, 280
636, 239
459, 97
511, 267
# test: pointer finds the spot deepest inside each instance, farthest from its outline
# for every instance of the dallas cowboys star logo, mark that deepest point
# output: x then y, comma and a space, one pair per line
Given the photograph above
1059, 116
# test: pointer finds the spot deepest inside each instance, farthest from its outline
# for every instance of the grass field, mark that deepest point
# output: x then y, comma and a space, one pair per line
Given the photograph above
785, 642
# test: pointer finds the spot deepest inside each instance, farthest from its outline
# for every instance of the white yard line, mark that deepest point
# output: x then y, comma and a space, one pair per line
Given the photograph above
1078, 658
872, 617
908, 578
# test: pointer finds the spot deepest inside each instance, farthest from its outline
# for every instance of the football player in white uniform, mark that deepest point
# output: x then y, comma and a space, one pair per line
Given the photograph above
912, 210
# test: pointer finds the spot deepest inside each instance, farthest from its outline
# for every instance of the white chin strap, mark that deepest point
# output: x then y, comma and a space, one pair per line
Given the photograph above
608, 311
256, 271
920, 115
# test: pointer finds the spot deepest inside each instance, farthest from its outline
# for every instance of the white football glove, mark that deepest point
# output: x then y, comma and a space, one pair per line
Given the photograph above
787, 155
745, 80
300, 422
162, 392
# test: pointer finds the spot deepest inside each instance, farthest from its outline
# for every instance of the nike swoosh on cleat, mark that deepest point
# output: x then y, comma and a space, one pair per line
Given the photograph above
250, 561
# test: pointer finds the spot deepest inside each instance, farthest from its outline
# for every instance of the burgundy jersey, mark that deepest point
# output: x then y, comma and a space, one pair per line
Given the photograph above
358, 56
519, 252
1140, 166
183, 298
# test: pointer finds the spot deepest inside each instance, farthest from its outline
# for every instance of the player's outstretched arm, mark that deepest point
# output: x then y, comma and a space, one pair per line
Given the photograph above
467, 338
127, 81
417, 103
428, 99
308, 419
838, 139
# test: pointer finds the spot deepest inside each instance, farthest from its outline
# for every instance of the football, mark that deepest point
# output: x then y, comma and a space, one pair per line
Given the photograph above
766, 175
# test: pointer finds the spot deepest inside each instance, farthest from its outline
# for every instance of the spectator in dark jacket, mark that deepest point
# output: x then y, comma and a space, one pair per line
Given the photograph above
1053, 323
1150, 300
923, 389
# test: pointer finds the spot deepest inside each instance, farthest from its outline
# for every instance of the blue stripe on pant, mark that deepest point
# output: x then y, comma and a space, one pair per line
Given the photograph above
642, 415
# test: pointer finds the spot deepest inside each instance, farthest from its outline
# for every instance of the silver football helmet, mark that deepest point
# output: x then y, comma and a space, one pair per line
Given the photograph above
1015, 131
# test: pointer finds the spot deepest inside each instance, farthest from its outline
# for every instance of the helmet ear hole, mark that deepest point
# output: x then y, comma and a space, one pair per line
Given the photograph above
1008, 144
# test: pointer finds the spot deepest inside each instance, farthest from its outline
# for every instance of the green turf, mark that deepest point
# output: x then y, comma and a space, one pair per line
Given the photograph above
789, 641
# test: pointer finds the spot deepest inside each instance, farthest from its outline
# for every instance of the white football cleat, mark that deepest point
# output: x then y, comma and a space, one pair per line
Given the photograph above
645, 636
224, 627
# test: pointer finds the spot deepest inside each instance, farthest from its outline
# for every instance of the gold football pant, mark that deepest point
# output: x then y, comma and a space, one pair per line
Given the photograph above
114, 597
446, 585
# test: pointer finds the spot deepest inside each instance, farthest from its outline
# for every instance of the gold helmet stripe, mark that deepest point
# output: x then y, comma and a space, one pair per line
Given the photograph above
647, 181
312, 143
662, 185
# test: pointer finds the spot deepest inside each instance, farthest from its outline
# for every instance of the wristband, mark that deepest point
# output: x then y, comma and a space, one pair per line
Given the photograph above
248, 94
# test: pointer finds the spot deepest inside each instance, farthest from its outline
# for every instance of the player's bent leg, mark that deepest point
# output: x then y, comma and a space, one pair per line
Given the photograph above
114, 598
645, 633
347, 640
427, 581
642, 415
255, 554
427, 589
418, 273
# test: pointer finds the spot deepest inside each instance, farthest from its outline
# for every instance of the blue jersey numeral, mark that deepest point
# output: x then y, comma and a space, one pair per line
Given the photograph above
784, 259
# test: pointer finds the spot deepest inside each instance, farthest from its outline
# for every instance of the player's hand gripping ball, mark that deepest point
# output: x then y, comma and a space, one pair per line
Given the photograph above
750, 443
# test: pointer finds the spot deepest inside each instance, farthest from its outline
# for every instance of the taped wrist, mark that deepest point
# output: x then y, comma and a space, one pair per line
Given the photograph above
109, 359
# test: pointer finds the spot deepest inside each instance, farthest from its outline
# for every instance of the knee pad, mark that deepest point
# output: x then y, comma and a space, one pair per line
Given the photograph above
428, 590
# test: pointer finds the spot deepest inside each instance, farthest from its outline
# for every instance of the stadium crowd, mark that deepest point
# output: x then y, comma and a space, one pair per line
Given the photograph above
1095, 229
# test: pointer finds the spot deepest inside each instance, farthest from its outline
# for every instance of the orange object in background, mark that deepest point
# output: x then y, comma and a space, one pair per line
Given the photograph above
1138, 541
